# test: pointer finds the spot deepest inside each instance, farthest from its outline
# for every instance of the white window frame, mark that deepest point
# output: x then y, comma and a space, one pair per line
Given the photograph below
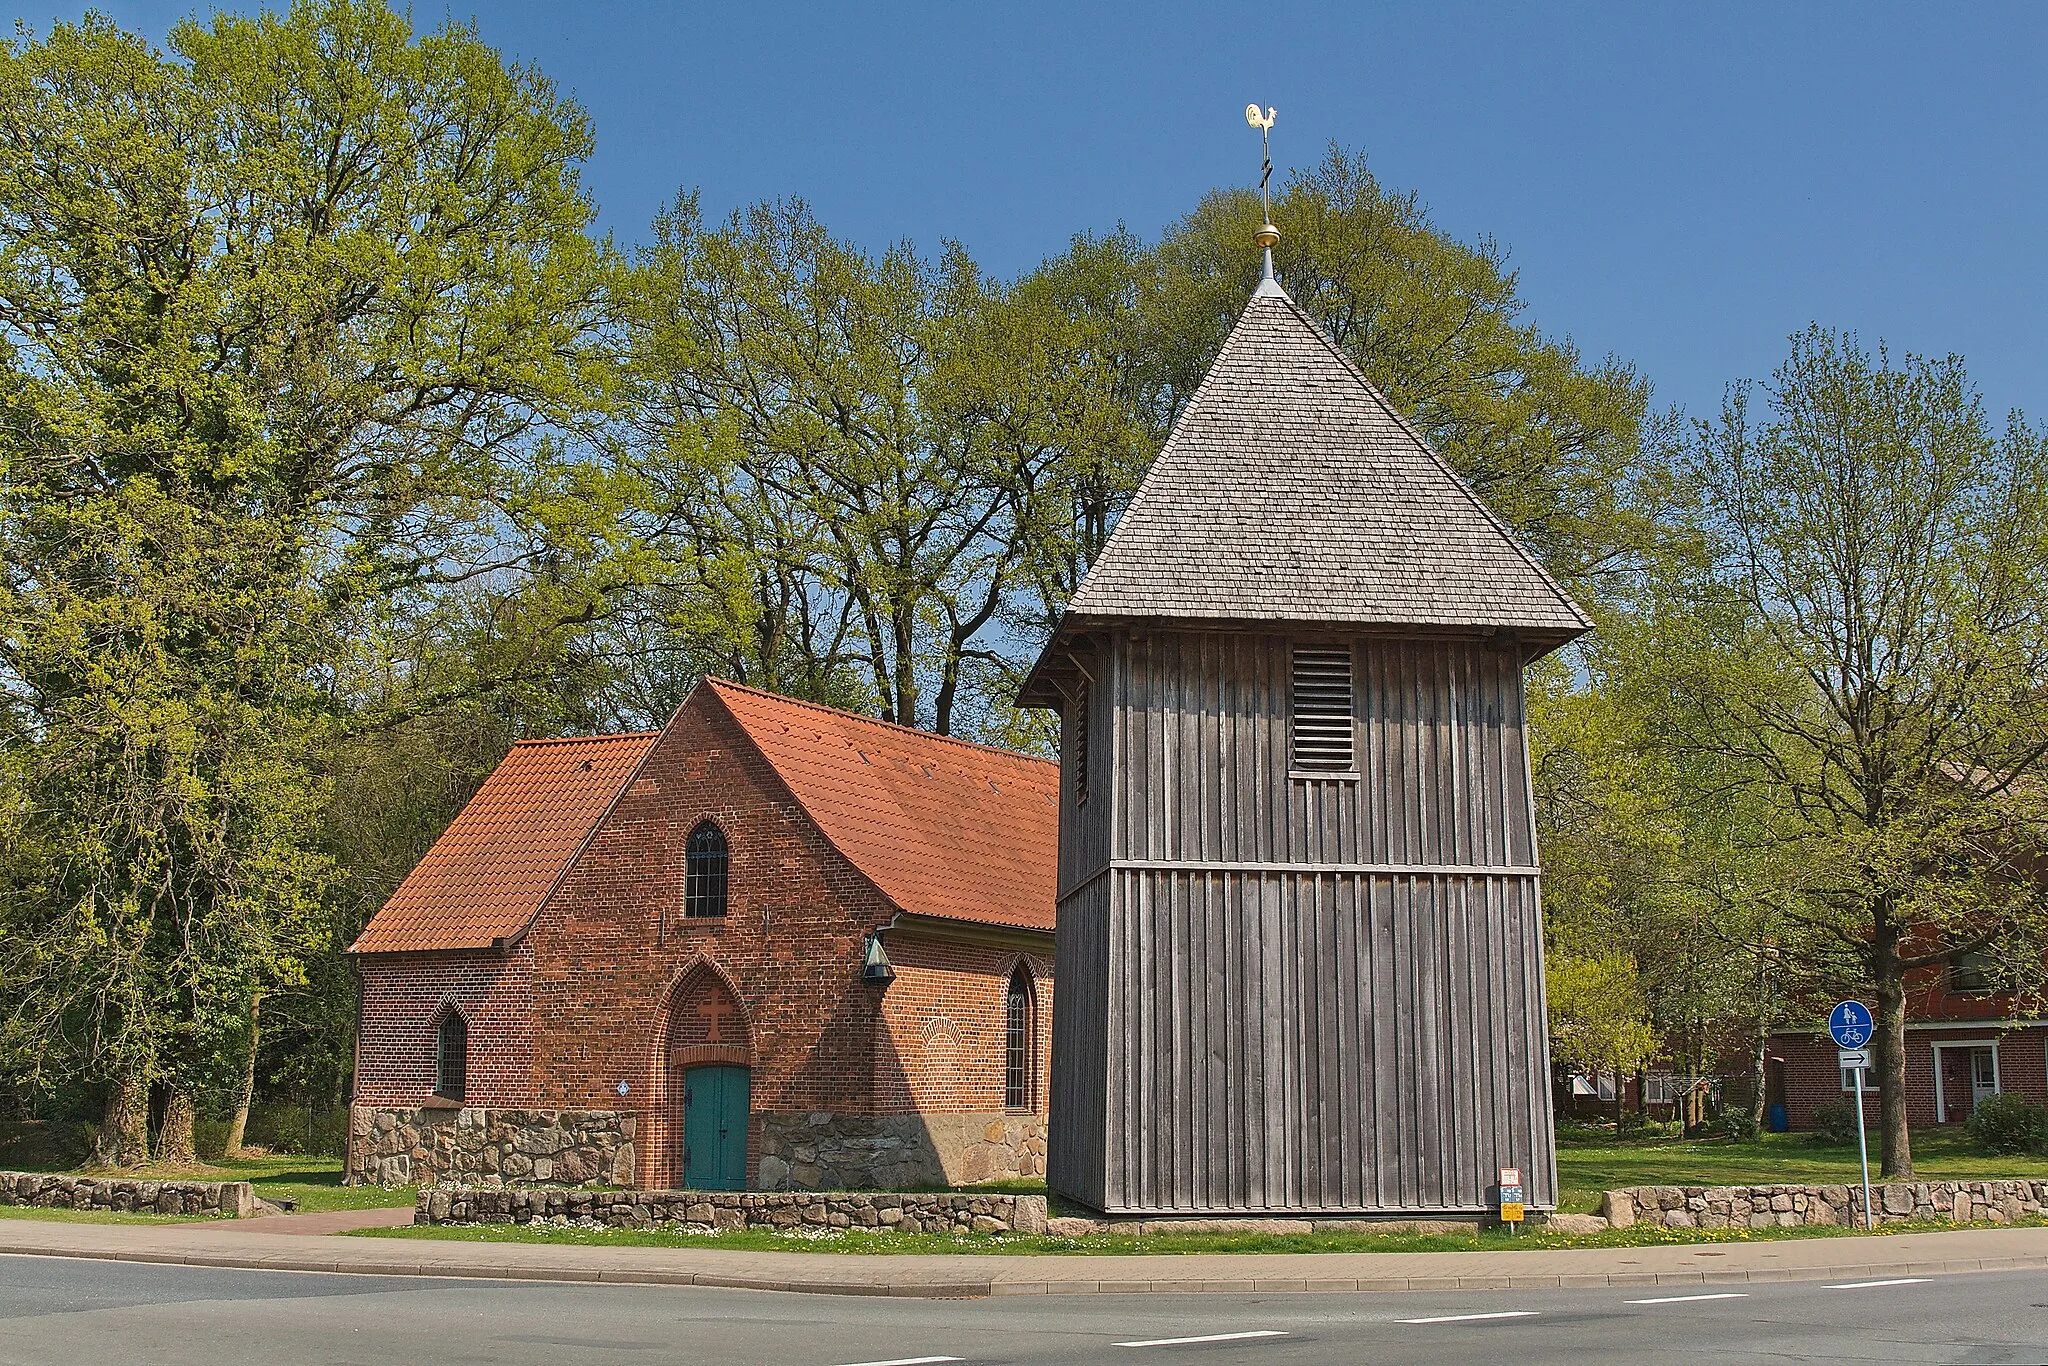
1849, 1081
1997, 1077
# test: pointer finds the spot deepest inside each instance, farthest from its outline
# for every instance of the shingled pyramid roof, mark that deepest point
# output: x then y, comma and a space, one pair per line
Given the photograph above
1292, 491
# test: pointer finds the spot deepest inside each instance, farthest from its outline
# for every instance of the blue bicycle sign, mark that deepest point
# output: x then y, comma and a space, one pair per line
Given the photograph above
1850, 1024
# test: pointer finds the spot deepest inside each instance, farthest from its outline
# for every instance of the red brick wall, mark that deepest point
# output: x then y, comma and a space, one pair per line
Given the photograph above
946, 1026
607, 981
1813, 1078
403, 999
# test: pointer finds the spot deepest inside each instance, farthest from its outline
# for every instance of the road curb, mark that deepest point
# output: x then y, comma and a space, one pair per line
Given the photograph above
929, 1288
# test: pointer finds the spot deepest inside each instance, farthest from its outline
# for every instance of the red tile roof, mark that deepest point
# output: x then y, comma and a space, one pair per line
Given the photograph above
940, 826
496, 863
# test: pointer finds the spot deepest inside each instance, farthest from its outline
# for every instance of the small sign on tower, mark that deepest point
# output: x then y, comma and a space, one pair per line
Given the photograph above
1511, 1197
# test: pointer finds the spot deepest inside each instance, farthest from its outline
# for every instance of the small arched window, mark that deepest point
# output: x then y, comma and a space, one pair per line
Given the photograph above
1020, 1040
704, 873
451, 1056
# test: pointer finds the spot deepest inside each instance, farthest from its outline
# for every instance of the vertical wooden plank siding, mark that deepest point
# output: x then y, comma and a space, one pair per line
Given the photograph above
1317, 993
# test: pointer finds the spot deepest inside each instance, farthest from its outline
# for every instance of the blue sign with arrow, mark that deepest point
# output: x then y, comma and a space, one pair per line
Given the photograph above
1850, 1024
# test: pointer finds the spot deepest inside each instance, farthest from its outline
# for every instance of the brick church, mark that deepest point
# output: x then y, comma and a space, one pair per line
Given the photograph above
772, 945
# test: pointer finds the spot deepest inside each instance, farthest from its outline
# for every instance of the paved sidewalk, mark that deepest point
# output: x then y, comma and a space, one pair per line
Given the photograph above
276, 1248
319, 1222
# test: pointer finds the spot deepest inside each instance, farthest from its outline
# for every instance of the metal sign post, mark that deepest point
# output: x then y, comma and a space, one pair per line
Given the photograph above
1850, 1026
1511, 1197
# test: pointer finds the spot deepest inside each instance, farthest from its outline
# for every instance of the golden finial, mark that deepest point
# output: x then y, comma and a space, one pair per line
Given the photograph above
1268, 235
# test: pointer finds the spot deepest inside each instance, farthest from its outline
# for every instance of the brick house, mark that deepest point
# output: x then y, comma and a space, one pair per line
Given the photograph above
1964, 1041
772, 945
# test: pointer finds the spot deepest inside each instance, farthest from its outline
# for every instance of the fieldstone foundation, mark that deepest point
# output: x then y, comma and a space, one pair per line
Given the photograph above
1899, 1202
712, 1211
473, 1147
819, 1151
224, 1199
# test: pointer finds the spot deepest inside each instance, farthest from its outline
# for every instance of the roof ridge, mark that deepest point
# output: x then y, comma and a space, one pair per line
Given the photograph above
998, 750
1159, 457
586, 739
1464, 485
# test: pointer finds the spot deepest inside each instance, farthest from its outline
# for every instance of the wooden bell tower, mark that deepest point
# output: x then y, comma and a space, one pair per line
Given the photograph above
1300, 950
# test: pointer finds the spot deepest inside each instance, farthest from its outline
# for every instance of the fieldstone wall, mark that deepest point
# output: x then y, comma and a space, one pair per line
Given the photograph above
224, 1199
1962, 1202
713, 1211
819, 1151
473, 1147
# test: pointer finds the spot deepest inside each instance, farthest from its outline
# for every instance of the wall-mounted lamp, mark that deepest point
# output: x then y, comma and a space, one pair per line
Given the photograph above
874, 963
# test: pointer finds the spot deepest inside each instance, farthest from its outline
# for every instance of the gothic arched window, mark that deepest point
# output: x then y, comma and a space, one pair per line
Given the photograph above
451, 1056
1020, 1038
704, 874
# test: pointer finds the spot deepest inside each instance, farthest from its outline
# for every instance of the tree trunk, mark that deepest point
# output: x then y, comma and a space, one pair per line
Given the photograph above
1896, 1144
240, 1123
124, 1130
179, 1141
1762, 1062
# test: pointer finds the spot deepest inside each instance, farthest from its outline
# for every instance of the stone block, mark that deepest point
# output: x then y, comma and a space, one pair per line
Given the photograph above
1584, 1223
1619, 1209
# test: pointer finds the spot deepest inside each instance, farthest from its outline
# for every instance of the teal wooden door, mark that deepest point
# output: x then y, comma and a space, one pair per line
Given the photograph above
715, 1128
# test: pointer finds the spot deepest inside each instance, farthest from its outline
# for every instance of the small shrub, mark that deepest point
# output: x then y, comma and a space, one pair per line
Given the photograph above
210, 1139
1738, 1123
1834, 1122
2008, 1124
43, 1145
282, 1127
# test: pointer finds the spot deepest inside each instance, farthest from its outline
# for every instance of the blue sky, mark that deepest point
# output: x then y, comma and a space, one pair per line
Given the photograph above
1681, 185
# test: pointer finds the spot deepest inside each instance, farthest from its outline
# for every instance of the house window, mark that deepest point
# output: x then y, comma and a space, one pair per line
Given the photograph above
704, 873
1869, 1079
1971, 974
1322, 732
451, 1056
1080, 724
1019, 1040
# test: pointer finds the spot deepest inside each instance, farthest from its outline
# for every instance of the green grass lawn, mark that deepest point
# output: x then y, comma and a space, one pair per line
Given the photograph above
1586, 1167
313, 1182
866, 1241
98, 1216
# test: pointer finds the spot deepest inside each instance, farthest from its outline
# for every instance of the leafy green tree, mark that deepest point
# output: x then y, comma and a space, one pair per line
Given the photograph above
294, 320
1868, 655
1599, 1017
850, 456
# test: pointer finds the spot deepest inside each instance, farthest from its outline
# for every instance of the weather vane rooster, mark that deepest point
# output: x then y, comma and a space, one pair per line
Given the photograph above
1268, 235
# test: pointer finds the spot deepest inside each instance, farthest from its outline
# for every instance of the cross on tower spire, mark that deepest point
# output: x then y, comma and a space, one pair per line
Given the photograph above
1268, 235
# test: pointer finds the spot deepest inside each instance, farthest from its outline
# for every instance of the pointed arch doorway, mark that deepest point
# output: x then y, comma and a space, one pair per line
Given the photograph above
709, 1060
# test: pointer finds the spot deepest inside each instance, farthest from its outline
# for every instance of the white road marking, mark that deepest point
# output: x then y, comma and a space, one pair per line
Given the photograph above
1212, 1337
1468, 1318
1688, 1299
908, 1361
1872, 1285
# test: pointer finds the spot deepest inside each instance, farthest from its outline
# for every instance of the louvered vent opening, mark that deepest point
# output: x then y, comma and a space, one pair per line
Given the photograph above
1078, 719
1322, 709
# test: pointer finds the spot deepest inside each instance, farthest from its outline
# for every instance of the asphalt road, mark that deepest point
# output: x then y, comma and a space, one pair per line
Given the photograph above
111, 1313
